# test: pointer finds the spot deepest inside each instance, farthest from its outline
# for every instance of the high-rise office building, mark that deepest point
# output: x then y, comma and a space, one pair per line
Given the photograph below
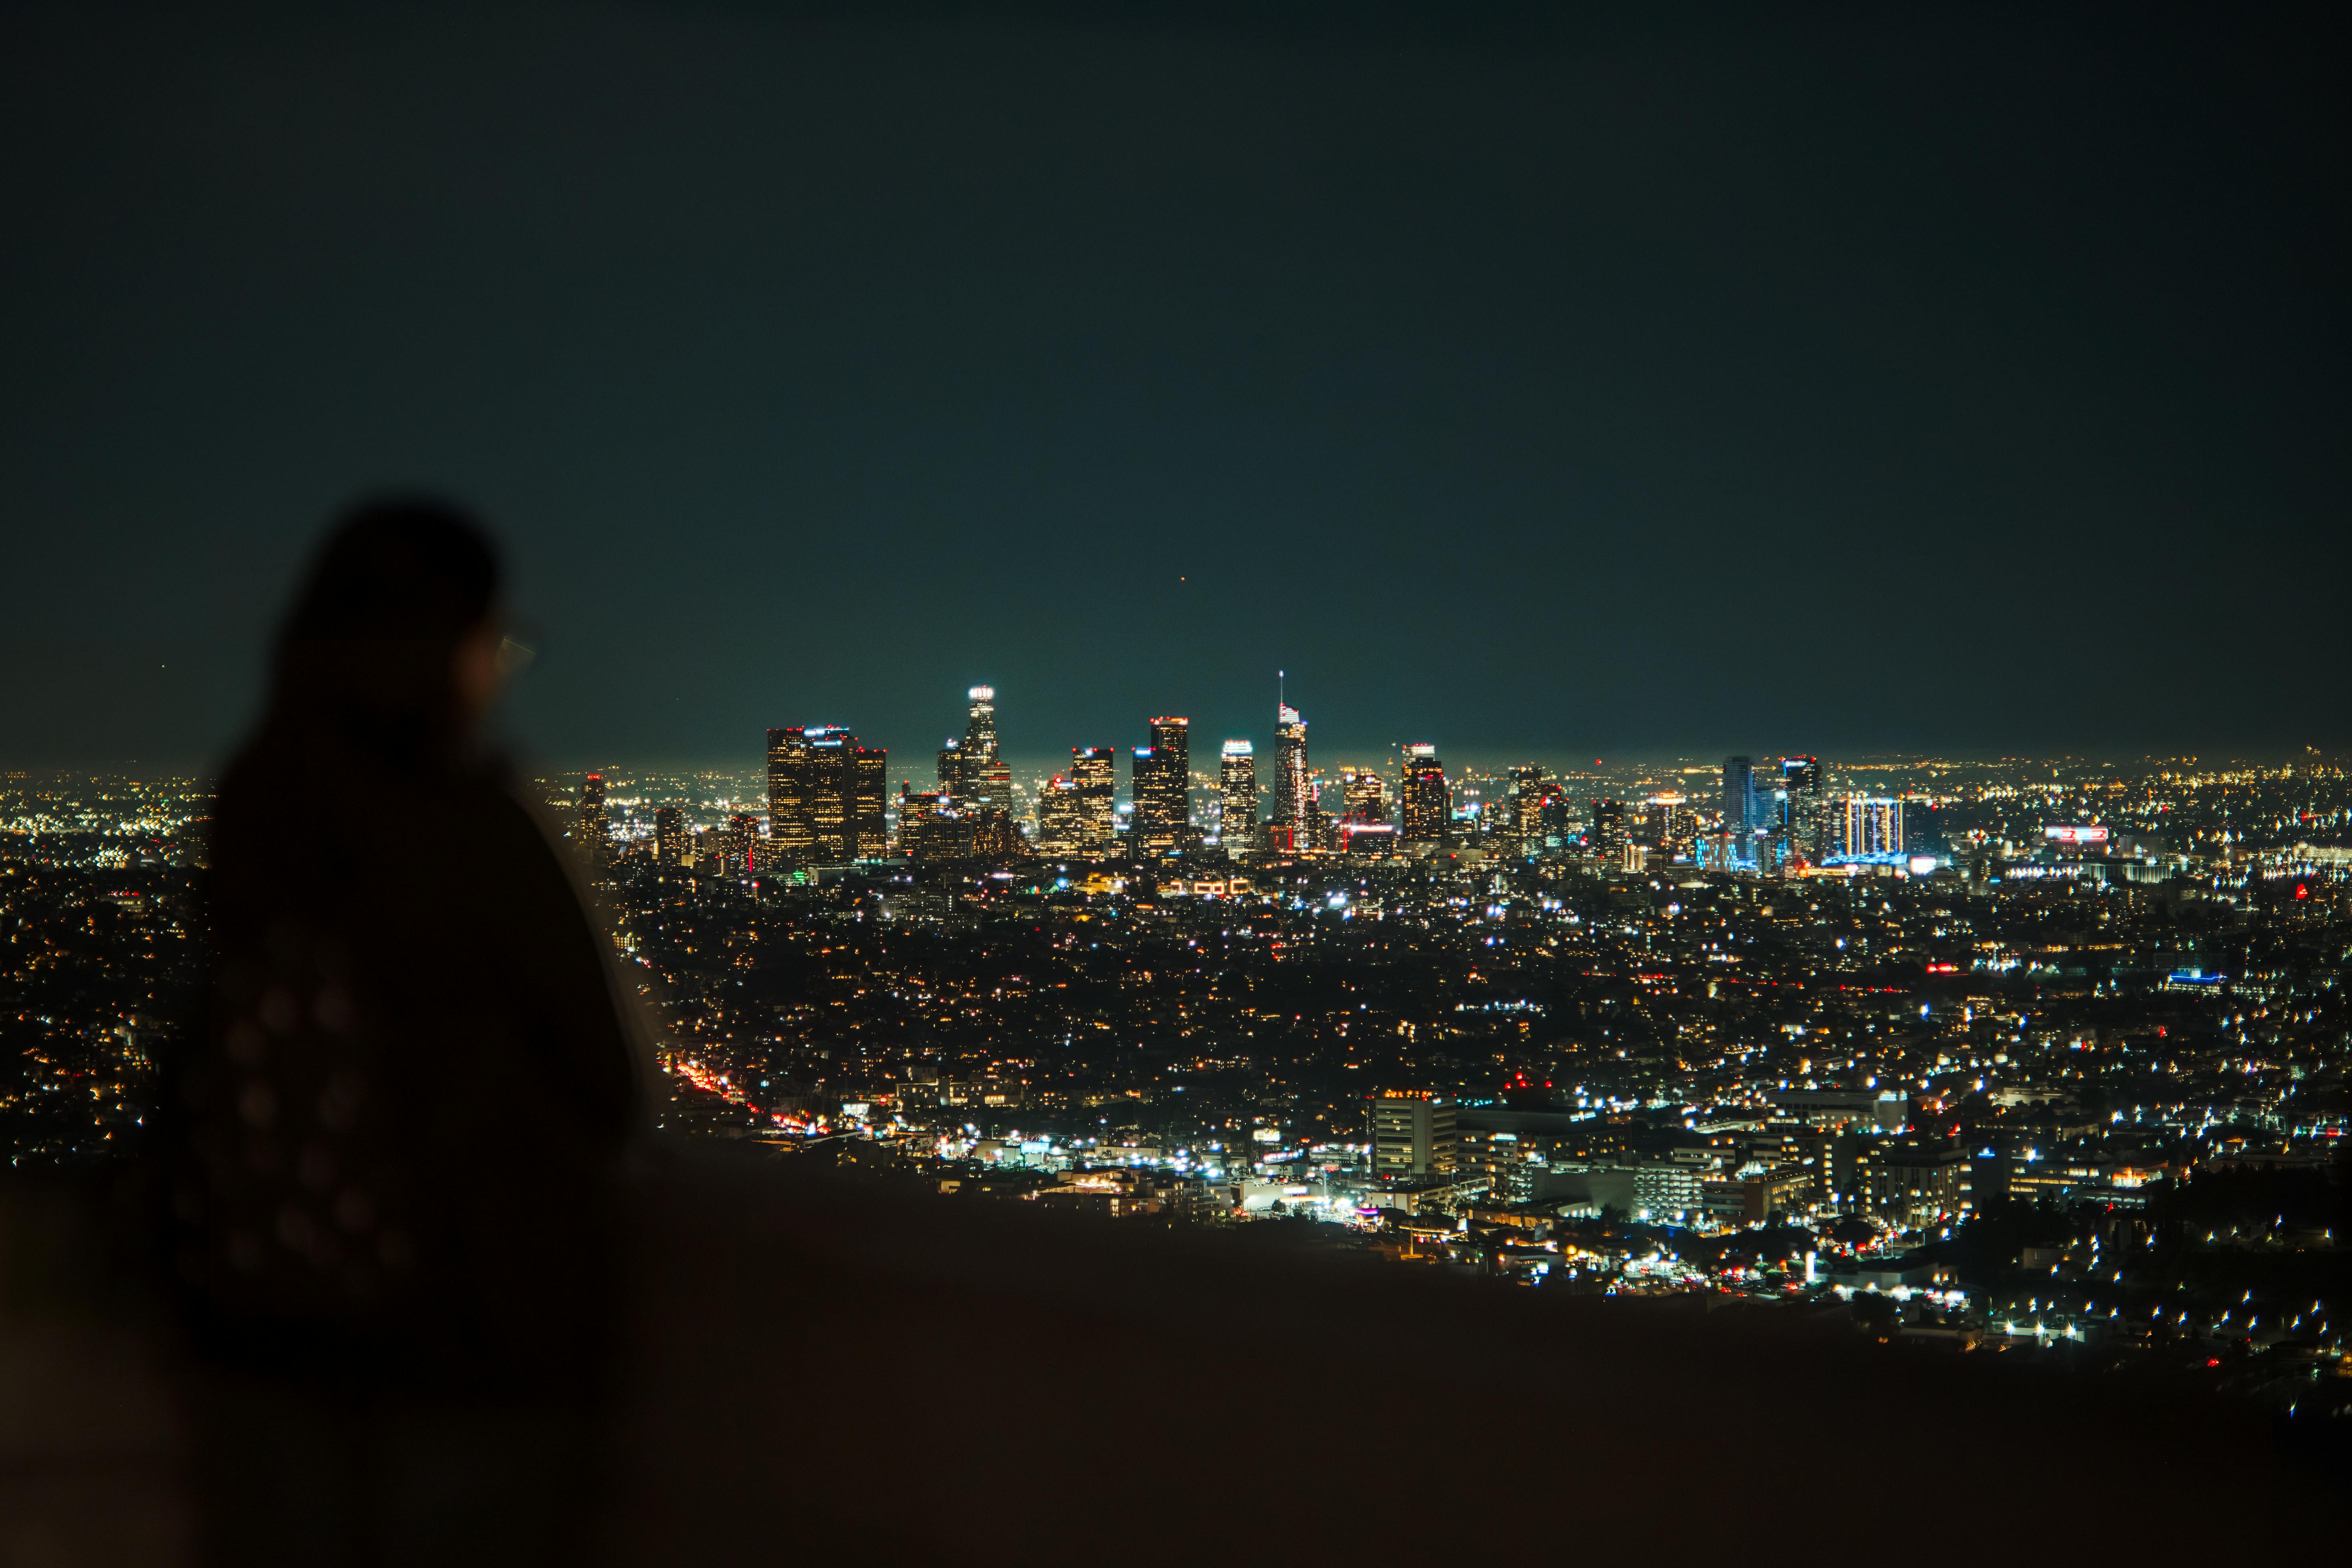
1667, 822
790, 841
952, 768
1742, 813
673, 846
1364, 795
1321, 829
1061, 818
1558, 816
1094, 771
827, 771
1363, 826
1143, 776
995, 836
742, 846
930, 828
1237, 796
1162, 786
1291, 787
987, 777
1426, 797
1413, 1135
1809, 815
1874, 827
595, 832
1529, 792
1608, 836
866, 833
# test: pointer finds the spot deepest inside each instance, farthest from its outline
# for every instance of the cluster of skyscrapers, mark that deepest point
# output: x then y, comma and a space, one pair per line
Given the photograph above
827, 797
1773, 815
827, 803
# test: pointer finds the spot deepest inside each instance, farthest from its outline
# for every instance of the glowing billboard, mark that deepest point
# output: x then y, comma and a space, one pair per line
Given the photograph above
2071, 834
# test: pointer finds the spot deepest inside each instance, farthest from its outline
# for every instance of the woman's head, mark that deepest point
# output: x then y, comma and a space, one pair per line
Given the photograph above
392, 642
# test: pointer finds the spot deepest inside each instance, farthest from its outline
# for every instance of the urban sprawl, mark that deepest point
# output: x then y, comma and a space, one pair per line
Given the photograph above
2036, 1054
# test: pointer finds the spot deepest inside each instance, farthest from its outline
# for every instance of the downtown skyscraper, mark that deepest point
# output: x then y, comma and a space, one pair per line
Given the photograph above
595, 831
1806, 786
1061, 818
1293, 789
1162, 785
792, 835
1094, 771
1427, 797
1609, 834
987, 779
1237, 796
673, 843
1742, 812
1530, 795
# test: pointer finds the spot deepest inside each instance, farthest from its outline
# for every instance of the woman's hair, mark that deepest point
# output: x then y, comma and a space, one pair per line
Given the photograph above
367, 656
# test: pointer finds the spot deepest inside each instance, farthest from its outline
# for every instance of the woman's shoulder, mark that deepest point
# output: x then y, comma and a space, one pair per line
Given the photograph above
517, 840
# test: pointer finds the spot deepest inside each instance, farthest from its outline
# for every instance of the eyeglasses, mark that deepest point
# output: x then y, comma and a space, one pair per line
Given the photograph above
518, 649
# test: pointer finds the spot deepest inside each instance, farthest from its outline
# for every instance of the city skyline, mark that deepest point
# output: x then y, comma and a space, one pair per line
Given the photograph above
1269, 744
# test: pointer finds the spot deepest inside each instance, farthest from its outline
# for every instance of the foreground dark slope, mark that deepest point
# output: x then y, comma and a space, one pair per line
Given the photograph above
825, 1371
862, 1371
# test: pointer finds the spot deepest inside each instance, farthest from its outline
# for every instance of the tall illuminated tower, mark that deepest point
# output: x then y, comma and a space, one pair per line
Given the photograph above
987, 777
1609, 832
791, 838
866, 831
1741, 814
673, 846
1808, 797
1428, 799
1237, 796
1061, 819
1667, 821
1528, 793
829, 746
595, 828
1364, 795
1292, 791
1162, 784
1094, 771
742, 845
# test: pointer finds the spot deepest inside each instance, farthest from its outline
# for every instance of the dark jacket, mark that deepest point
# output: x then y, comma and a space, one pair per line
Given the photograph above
395, 1141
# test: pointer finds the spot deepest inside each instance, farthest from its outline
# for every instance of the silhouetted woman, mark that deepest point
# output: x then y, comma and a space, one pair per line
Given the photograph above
394, 1149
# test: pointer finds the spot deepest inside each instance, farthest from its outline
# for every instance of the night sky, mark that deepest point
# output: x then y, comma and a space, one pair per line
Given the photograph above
1966, 379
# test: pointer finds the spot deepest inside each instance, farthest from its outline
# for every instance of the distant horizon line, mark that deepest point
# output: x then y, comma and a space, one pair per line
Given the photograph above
1484, 758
